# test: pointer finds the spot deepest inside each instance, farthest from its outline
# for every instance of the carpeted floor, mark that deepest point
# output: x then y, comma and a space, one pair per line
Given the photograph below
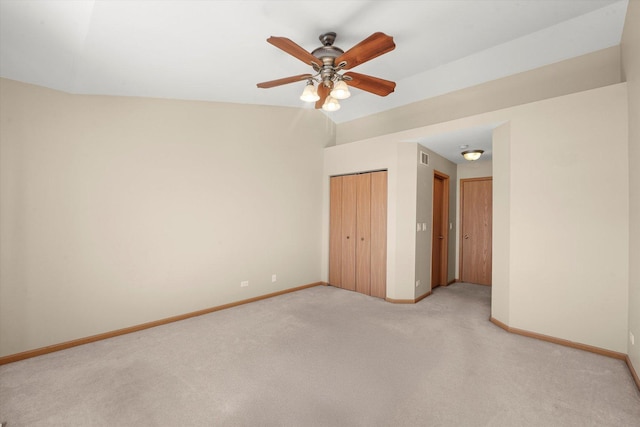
324, 357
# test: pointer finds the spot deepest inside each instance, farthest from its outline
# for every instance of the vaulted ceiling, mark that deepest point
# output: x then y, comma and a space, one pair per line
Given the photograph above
216, 50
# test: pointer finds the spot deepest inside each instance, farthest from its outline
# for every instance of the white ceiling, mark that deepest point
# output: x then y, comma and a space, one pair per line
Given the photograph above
216, 50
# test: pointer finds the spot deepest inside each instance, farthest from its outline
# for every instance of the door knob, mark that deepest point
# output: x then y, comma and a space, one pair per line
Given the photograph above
441, 237
466, 236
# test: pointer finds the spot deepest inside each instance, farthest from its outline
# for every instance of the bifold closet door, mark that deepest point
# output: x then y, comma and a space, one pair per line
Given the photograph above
335, 231
379, 234
358, 233
363, 232
349, 237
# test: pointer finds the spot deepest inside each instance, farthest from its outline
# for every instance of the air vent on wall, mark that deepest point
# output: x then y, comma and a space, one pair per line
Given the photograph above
424, 158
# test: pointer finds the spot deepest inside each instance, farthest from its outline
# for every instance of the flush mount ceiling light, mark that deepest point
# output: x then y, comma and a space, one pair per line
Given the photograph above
327, 62
472, 155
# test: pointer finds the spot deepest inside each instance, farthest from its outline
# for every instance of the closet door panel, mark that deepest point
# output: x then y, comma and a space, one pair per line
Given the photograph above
335, 232
348, 248
379, 234
363, 229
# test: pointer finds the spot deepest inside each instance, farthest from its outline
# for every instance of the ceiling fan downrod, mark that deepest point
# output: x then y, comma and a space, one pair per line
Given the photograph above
327, 39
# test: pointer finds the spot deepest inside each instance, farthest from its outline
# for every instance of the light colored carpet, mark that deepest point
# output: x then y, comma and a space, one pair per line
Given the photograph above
324, 357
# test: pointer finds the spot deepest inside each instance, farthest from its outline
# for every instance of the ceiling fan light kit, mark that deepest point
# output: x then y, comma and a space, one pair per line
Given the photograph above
340, 90
327, 62
309, 94
331, 104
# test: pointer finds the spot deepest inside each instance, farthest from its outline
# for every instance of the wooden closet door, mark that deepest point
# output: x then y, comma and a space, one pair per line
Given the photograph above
379, 234
349, 237
358, 233
335, 231
363, 230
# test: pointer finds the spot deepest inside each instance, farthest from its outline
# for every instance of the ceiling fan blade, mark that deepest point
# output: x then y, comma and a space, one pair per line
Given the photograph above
283, 81
294, 50
323, 92
375, 45
371, 84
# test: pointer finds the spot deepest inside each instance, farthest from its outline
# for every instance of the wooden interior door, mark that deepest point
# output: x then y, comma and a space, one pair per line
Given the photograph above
476, 218
379, 234
349, 237
440, 233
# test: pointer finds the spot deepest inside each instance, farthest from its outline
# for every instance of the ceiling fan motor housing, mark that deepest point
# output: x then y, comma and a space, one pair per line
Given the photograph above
327, 53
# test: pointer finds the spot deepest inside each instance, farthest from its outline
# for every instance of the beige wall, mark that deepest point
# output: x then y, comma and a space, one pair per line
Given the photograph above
424, 215
119, 211
501, 249
477, 169
569, 217
631, 69
585, 72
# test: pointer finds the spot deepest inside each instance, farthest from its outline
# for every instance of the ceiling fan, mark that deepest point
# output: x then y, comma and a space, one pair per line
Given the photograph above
328, 61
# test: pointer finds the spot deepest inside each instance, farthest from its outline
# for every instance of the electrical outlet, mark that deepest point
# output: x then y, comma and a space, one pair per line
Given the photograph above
244, 284
632, 338
273, 278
